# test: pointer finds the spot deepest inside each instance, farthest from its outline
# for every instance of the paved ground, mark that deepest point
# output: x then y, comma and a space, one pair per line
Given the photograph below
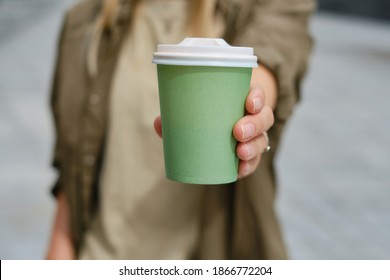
334, 164
28, 31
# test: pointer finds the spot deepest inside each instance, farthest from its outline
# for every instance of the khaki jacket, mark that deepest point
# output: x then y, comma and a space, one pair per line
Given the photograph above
276, 29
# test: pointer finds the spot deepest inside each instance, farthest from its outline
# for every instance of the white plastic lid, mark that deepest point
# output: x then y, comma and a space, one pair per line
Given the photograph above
205, 52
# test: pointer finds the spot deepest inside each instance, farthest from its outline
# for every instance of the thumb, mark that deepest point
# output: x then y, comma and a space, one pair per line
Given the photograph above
157, 126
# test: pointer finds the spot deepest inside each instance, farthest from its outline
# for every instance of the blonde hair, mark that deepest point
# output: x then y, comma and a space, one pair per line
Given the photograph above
200, 21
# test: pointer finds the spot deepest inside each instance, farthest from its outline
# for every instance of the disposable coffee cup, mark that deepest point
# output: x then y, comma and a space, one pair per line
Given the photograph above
203, 84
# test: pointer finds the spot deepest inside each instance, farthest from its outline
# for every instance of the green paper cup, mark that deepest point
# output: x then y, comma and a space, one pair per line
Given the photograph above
203, 84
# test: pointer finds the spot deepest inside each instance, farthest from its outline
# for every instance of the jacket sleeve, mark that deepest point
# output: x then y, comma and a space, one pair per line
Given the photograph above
57, 151
278, 32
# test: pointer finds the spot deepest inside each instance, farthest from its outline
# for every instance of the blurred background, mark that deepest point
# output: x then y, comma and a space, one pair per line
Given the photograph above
334, 164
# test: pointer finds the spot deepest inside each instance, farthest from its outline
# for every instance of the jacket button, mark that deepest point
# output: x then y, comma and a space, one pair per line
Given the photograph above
94, 99
89, 160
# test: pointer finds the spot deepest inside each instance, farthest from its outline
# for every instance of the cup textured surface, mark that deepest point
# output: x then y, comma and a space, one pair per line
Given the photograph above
199, 106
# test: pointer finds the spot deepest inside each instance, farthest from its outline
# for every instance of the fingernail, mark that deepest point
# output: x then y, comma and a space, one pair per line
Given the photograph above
248, 130
246, 168
249, 151
256, 103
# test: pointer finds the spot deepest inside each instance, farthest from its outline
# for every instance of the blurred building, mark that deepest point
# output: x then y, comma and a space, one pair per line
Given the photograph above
379, 9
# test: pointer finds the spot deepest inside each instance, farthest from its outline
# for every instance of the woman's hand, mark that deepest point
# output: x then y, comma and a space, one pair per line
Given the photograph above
249, 130
60, 246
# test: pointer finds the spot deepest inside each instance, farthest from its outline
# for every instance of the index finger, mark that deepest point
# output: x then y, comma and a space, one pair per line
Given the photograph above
255, 100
